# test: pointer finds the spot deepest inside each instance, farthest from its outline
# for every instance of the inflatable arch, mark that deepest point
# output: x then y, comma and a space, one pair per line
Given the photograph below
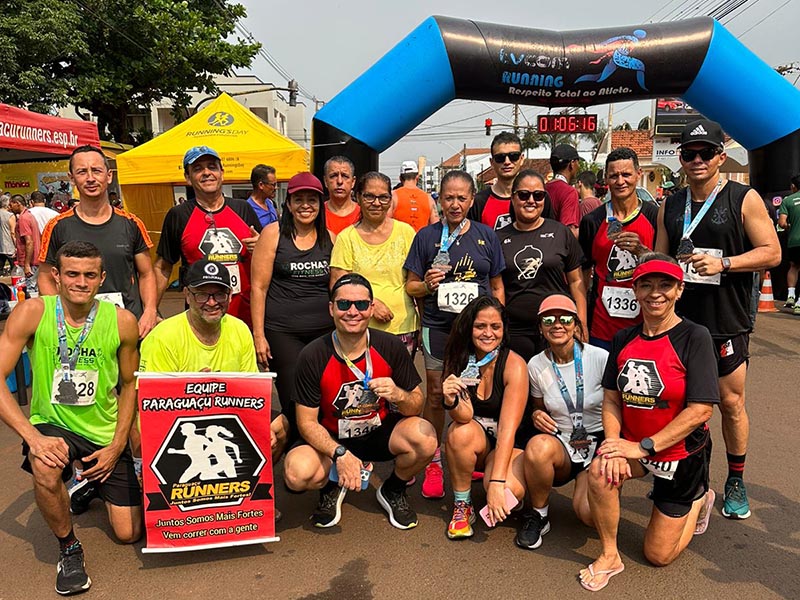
446, 58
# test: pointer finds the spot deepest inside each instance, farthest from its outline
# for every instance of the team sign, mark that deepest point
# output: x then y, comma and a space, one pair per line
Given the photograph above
207, 466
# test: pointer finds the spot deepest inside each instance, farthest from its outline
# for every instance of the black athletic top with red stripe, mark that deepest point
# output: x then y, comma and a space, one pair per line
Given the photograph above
324, 381
658, 376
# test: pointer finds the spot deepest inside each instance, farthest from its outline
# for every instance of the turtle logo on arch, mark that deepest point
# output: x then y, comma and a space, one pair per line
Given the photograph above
220, 119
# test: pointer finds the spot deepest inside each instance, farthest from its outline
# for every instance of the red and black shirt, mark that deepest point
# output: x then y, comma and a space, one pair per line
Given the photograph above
658, 376
324, 381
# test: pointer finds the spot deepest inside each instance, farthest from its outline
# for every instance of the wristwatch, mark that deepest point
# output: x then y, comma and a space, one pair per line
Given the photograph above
648, 446
726, 264
338, 453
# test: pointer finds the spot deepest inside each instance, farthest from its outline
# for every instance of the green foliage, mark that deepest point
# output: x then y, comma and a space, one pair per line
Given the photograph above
115, 58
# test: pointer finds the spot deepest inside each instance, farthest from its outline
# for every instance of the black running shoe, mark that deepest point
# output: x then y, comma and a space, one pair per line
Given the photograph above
401, 515
81, 495
533, 528
329, 509
71, 575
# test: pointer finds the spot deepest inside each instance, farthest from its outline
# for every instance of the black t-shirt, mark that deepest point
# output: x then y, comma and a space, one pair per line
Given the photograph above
536, 264
657, 376
723, 308
119, 240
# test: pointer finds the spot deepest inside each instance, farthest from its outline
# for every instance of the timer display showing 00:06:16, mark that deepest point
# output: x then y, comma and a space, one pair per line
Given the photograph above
567, 123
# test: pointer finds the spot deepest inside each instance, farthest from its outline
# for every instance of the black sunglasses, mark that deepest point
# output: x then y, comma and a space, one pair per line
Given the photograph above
706, 154
501, 157
550, 320
538, 195
361, 305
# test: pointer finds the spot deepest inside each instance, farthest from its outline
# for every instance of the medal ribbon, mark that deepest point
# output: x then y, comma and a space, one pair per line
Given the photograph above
474, 362
576, 408
364, 377
446, 240
68, 364
610, 214
688, 228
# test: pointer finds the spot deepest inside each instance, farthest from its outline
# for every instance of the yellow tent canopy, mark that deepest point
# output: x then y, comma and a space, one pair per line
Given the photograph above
240, 137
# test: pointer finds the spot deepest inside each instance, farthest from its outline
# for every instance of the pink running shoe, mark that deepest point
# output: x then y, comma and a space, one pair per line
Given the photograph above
433, 484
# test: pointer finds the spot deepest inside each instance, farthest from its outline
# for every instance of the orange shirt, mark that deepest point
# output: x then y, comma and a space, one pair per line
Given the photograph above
413, 207
335, 223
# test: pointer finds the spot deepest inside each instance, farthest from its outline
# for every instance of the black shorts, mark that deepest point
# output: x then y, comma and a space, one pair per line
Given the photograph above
793, 255
373, 447
120, 489
578, 468
675, 497
731, 353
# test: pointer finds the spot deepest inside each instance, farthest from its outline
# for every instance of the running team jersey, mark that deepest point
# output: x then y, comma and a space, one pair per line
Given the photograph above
489, 209
564, 202
612, 303
336, 224
657, 377
475, 257
790, 206
721, 303
324, 381
95, 422
382, 265
119, 240
190, 233
536, 265
297, 299
172, 347
413, 206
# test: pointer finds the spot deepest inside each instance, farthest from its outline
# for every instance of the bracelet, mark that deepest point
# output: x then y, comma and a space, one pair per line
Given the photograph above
497, 481
452, 406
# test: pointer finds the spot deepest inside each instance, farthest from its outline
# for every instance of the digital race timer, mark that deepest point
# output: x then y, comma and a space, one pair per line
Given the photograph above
567, 123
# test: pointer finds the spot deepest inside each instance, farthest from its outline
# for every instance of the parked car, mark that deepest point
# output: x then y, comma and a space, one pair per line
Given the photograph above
669, 104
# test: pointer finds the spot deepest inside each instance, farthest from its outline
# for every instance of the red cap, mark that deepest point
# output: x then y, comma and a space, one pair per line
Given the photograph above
558, 302
658, 267
304, 181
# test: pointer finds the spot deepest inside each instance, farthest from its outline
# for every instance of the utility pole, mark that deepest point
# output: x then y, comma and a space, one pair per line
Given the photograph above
516, 119
610, 126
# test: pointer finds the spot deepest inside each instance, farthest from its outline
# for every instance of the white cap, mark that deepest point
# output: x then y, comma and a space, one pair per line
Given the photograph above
408, 166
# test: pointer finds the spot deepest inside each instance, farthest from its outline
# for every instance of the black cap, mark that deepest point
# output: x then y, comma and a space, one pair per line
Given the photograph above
565, 152
206, 271
703, 131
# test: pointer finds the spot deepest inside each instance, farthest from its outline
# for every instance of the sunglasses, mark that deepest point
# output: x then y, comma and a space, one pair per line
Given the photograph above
550, 320
361, 305
706, 154
538, 195
501, 157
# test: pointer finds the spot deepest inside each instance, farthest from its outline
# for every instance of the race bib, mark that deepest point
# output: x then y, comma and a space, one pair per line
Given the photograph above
664, 470
114, 297
489, 425
692, 276
620, 302
580, 455
80, 390
454, 296
236, 282
353, 428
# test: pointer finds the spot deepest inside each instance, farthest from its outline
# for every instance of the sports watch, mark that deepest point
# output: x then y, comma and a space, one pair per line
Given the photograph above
648, 446
726, 264
338, 453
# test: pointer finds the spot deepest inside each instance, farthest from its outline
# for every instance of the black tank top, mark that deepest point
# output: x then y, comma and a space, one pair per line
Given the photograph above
489, 408
297, 299
724, 309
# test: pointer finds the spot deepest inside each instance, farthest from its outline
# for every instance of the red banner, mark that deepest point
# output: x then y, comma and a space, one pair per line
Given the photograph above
207, 465
25, 130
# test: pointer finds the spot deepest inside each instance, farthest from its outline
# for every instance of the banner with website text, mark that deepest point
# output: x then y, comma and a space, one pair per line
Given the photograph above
207, 473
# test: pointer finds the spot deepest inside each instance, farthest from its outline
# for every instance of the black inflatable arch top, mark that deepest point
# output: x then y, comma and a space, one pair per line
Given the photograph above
446, 58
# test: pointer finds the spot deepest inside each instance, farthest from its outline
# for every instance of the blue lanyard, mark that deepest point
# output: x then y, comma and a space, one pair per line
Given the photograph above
689, 227
364, 377
577, 408
68, 364
484, 361
447, 240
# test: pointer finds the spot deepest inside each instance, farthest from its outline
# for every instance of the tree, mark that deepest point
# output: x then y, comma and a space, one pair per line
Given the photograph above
597, 138
117, 58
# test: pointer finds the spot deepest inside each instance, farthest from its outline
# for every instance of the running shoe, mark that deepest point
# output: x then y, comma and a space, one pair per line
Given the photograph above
477, 475
533, 528
81, 495
796, 309
735, 504
461, 524
329, 509
71, 577
789, 302
401, 515
433, 484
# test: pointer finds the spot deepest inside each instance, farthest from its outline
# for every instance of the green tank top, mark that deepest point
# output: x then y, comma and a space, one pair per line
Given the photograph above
98, 421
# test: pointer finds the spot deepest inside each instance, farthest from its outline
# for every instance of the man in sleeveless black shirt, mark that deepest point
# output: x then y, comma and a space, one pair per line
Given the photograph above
721, 239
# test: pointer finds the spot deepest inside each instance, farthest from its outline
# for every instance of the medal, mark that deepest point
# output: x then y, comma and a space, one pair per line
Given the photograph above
471, 376
67, 394
579, 438
685, 248
614, 227
442, 261
368, 397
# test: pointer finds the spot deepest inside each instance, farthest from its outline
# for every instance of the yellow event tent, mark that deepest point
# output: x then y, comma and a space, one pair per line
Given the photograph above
148, 172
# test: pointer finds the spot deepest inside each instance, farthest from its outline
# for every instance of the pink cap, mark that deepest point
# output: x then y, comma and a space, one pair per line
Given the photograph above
558, 302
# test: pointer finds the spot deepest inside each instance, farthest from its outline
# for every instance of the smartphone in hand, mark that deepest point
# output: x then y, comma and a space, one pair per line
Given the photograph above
511, 502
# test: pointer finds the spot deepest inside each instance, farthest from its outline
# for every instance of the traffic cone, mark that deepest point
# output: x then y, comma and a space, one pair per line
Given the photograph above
766, 303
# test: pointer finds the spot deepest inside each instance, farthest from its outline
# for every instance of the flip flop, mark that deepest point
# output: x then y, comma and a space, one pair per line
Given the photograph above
609, 573
705, 513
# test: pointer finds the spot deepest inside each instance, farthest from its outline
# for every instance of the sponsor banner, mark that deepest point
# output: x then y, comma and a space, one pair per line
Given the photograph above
207, 472
26, 130
672, 114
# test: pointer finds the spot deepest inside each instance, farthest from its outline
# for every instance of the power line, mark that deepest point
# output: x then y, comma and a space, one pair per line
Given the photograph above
746, 31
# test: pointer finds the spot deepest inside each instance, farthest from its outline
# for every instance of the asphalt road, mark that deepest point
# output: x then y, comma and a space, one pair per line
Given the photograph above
364, 557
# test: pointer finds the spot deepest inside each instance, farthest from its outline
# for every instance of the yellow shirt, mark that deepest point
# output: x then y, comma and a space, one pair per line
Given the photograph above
382, 265
172, 347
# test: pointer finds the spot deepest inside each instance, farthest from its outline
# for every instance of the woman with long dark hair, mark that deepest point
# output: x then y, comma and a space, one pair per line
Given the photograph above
290, 274
485, 391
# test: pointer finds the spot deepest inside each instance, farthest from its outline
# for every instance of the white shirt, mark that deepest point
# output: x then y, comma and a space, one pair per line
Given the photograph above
43, 215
